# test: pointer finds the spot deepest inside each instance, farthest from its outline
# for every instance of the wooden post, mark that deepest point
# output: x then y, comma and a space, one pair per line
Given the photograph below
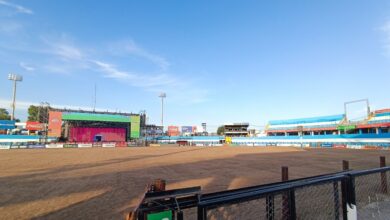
159, 185
345, 165
284, 174
382, 160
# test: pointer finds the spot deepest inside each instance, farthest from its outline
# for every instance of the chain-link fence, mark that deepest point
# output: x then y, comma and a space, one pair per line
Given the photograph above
320, 201
372, 195
345, 195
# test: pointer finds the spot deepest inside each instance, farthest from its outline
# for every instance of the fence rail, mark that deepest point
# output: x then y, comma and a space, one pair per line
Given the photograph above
343, 195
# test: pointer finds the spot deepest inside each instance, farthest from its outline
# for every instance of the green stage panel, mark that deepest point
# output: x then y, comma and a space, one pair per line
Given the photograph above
94, 117
134, 126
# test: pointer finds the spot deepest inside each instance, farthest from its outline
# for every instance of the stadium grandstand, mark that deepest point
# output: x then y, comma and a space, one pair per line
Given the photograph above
304, 126
324, 131
377, 122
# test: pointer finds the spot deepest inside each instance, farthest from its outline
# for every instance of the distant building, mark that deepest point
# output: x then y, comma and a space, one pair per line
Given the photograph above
236, 130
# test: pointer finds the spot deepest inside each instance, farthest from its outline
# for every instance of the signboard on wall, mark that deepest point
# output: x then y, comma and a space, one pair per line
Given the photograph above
34, 126
5, 145
108, 144
7, 124
165, 215
186, 129
55, 124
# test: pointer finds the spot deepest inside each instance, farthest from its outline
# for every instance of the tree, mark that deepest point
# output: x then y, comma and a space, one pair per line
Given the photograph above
221, 130
32, 113
38, 113
4, 115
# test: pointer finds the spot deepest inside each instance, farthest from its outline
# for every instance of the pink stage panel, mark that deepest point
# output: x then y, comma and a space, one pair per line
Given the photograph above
87, 134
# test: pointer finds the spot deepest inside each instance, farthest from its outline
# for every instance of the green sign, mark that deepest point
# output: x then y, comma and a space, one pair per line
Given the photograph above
165, 215
346, 127
134, 126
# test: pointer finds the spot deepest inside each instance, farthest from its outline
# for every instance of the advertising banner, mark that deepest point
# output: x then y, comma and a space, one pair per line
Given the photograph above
7, 124
69, 145
326, 145
108, 145
165, 215
340, 146
54, 145
34, 126
97, 144
18, 145
346, 127
5, 145
14, 146
35, 146
55, 124
121, 144
173, 131
186, 129
84, 145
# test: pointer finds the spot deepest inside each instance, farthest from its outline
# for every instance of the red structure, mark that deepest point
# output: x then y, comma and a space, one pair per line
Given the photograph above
89, 134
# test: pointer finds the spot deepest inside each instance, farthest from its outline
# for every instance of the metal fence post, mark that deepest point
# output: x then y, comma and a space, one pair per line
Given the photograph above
383, 175
202, 214
344, 191
292, 208
349, 197
180, 215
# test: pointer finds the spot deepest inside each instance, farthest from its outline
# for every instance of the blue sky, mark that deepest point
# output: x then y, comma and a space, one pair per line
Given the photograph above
218, 61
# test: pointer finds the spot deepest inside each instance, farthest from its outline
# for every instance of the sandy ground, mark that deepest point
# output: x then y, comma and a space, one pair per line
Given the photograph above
104, 183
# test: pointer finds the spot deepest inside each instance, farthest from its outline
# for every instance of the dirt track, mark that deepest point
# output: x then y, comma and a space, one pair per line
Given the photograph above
103, 183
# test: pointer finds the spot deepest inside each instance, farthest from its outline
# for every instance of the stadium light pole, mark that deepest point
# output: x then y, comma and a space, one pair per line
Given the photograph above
162, 95
15, 78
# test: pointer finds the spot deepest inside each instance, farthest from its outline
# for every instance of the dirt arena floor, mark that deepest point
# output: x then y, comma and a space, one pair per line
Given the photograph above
104, 183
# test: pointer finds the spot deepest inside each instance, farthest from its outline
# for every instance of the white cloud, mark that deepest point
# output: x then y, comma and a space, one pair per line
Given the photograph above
62, 55
24, 105
137, 80
64, 49
16, 7
10, 27
26, 66
132, 48
386, 30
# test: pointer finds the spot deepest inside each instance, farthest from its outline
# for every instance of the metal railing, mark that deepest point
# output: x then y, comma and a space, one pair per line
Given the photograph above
343, 195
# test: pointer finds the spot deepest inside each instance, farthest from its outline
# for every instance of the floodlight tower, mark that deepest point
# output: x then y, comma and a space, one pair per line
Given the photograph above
162, 96
15, 78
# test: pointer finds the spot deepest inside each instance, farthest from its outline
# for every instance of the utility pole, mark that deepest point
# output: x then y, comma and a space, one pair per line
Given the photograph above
162, 96
94, 99
15, 78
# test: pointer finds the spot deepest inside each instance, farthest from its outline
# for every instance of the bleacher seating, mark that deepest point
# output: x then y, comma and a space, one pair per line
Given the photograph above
323, 122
